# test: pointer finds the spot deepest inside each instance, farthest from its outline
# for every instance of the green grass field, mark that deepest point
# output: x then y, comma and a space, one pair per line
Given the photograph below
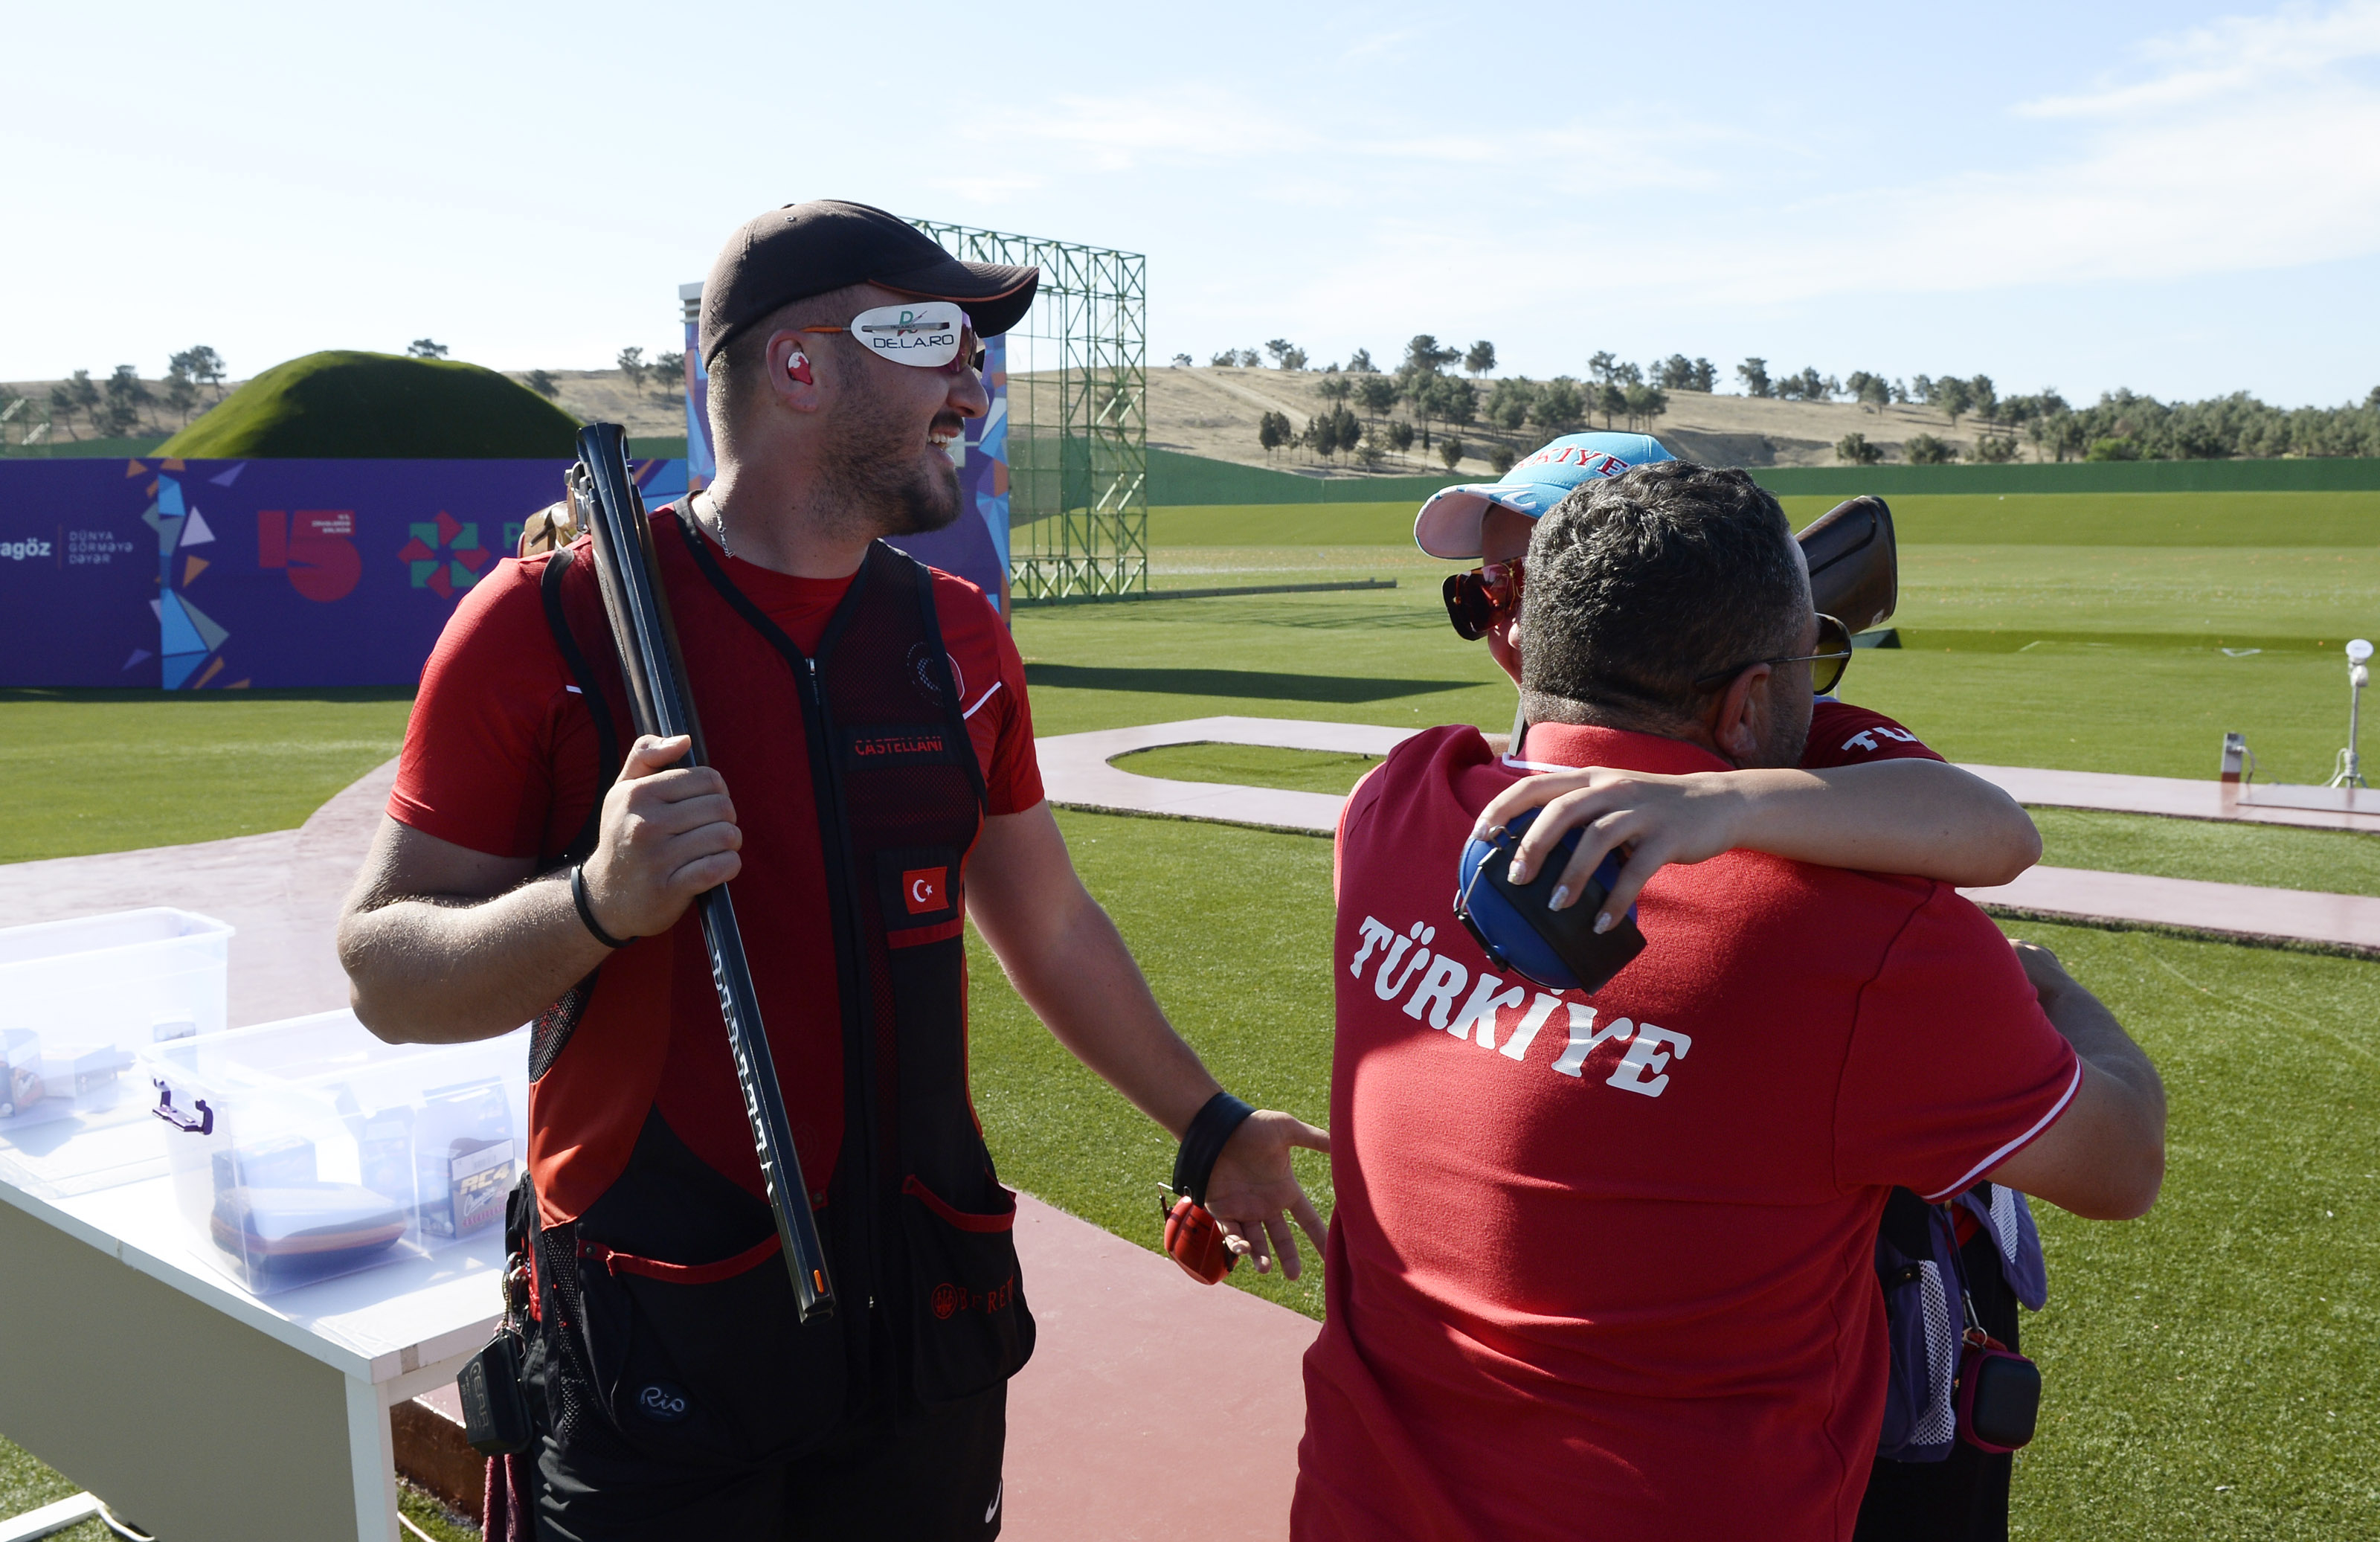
2207, 1369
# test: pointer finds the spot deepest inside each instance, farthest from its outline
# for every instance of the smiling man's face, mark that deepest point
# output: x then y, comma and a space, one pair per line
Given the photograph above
888, 428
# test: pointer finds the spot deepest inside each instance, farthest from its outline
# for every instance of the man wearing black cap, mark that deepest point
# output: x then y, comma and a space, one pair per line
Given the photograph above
870, 717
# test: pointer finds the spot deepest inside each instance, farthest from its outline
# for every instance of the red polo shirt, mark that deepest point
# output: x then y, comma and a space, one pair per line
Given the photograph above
1604, 1266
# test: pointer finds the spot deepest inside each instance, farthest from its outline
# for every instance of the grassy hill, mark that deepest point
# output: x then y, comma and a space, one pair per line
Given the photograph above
345, 405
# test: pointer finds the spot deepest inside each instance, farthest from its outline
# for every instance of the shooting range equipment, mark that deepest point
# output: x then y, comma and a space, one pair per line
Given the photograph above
2350, 771
1555, 948
604, 500
1192, 1235
1854, 563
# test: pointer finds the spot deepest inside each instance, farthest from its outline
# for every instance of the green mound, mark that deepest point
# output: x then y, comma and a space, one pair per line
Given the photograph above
343, 406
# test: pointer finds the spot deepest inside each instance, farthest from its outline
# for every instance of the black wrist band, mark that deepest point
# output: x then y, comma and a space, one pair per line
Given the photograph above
587, 912
1204, 1141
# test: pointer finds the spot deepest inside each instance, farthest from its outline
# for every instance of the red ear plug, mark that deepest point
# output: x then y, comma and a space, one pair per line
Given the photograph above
1196, 1243
797, 367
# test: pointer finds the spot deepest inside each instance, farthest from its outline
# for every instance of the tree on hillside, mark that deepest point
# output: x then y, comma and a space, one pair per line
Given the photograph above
1853, 449
1376, 393
1346, 428
1286, 354
1481, 358
1561, 406
181, 393
1502, 457
1611, 400
1753, 372
1924, 449
1921, 390
1450, 451
1226, 359
1458, 403
1674, 373
1273, 430
1954, 397
1424, 356
201, 364
62, 405
1985, 401
1705, 376
1248, 359
1644, 402
1995, 449
1870, 391
424, 347
1400, 435
669, 370
632, 365
1360, 362
1509, 402
1334, 388
1603, 368
126, 394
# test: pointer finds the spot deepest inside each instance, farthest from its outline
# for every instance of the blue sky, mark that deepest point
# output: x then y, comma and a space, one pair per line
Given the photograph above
2182, 198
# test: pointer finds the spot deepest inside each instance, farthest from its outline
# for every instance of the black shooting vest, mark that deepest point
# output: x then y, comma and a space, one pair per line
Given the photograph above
668, 1312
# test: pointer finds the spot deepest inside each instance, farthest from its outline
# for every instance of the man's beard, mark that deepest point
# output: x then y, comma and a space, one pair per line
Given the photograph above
874, 477
1786, 740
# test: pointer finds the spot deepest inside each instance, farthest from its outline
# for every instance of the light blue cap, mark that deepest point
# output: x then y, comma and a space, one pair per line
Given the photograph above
1449, 524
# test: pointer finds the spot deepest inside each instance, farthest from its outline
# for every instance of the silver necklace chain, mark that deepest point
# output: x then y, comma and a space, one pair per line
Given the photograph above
718, 518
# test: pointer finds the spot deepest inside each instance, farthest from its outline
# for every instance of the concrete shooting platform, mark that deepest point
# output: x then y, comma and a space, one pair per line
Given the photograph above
1076, 774
1139, 1377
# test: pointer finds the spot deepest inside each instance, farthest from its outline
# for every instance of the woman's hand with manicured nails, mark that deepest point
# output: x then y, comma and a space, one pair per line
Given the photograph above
1652, 819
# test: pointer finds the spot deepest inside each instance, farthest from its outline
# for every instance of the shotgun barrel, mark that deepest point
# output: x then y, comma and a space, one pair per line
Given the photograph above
659, 696
1854, 563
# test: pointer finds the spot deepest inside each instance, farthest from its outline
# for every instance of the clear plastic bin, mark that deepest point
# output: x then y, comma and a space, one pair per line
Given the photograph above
79, 1000
309, 1148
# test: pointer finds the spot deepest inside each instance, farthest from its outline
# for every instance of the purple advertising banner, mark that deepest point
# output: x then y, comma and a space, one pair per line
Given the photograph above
217, 575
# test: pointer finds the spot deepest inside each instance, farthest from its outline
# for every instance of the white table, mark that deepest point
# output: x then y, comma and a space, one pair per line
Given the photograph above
198, 1411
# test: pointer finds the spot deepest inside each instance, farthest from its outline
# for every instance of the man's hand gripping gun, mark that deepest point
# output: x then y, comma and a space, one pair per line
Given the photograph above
604, 500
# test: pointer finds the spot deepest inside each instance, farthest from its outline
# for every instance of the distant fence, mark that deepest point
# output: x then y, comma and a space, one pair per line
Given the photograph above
2340, 475
214, 574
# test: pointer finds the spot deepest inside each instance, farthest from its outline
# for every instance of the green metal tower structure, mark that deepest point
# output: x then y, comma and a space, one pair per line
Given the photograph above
1077, 415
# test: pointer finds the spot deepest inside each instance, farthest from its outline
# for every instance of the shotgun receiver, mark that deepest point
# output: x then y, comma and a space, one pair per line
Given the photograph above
604, 500
1854, 564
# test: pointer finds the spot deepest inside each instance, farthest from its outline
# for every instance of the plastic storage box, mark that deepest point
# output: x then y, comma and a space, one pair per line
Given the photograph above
79, 1000
309, 1148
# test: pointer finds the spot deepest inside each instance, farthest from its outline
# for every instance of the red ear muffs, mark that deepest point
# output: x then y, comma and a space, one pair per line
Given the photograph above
1196, 1243
797, 367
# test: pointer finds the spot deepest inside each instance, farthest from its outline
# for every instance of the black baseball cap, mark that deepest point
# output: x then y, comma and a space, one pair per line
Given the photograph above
809, 248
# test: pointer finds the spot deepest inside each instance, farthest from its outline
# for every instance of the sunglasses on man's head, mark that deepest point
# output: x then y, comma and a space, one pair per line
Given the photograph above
926, 334
1827, 665
1473, 598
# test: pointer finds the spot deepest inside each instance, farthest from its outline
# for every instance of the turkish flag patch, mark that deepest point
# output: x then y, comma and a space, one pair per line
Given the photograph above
921, 889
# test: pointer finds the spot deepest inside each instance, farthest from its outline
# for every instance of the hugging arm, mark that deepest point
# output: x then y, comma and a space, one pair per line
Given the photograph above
1925, 817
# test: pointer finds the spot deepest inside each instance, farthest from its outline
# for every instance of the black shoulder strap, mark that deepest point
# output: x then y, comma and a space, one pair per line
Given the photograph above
938, 663
607, 735
1907, 1225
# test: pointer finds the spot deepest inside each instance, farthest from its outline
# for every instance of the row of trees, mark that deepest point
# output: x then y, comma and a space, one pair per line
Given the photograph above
122, 406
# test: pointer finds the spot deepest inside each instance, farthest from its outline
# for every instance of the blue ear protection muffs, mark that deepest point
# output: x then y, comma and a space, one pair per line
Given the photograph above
1555, 948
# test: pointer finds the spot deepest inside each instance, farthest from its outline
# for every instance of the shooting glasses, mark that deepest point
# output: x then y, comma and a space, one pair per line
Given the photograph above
926, 334
1473, 598
1827, 665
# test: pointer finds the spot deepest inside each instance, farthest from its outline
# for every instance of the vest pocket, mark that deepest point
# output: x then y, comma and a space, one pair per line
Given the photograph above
706, 1362
969, 1329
